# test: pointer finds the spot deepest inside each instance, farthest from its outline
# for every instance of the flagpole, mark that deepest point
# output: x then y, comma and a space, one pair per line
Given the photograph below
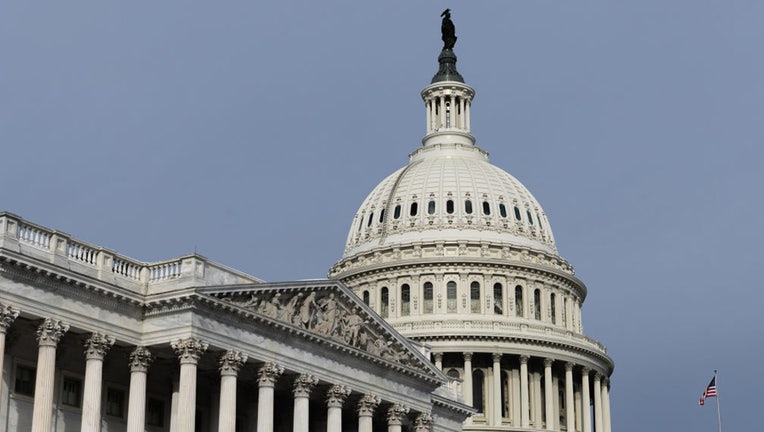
718, 409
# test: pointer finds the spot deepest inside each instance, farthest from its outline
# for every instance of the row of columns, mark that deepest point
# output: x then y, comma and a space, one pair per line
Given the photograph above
437, 113
189, 352
599, 384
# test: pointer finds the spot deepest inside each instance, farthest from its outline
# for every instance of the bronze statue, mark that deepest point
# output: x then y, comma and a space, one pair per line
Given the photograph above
447, 30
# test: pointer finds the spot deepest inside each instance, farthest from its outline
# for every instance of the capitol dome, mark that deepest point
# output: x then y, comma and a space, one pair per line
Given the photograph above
457, 255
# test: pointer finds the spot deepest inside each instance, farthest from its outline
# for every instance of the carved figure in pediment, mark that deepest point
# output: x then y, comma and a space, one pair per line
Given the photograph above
351, 327
273, 307
308, 311
288, 312
252, 303
326, 318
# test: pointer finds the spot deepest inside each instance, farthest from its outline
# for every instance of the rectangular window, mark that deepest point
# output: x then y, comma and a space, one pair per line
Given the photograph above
155, 412
71, 394
115, 402
25, 377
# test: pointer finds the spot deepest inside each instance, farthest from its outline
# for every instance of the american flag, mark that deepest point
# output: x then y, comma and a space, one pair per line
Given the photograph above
709, 392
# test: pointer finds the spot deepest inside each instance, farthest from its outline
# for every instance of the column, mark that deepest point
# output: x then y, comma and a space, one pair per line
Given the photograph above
301, 389
467, 111
423, 423
438, 360
266, 380
549, 395
48, 335
175, 397
586, 401
461, 113
516, 408
429, 116
189, 352
605, 404
467, 383
7, 316
366, 407
570, 417
96, 347
395, 416
496, 397
229, 363
535, 379
140, 360
334, 400
524, 393
597, 388
442, 112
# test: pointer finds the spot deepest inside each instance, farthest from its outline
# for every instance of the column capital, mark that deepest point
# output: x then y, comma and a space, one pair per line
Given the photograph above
303, 385
438, 356
336, 396
524, 359
268, 374
230, 362
569, 366
98, 345
597, 376
368, 404
423, 422
396, 413
468, 356
50, 332
189, 350
497, 357
140, 359
548, 362
585, 371
8, 314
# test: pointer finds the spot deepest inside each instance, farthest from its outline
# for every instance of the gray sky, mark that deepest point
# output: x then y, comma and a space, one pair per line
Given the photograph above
252, 133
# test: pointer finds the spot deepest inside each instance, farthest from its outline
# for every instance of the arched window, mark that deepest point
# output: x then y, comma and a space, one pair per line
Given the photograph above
519, 301
451, 296
475, 297
366, 297
427, 297
477, 391
360, 224
431, 207
486, 208
468, 206
502, 210
371, 219
537, 304
405, 300
553, 308
530, 218
397, 212
450, 206
498, 299
453, 373
385, 302
382, 216
538, 218
517, 213
563, 312
414, 209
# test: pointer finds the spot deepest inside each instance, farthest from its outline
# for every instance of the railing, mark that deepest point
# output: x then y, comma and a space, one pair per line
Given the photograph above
33, 235
81, 252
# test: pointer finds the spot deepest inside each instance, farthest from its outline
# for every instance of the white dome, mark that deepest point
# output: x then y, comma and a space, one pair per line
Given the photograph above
429, 201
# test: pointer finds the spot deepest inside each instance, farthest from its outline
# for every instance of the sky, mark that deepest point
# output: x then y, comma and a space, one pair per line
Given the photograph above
250, 132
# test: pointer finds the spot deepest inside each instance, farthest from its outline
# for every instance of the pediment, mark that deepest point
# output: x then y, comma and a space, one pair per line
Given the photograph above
328, 311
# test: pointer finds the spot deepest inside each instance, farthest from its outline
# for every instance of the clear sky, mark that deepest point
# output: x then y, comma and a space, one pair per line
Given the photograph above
251, 133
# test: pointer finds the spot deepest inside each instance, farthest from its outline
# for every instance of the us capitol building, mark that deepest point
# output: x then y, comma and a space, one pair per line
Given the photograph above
450, 310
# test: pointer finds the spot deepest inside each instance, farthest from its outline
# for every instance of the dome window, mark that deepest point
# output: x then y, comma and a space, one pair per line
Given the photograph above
519, 310
517, 213
475, 297
371, 219
431, 207
530, 218
450, 206
537, 304
498, 299
502, 210
553, 308
468, 206
385, 300
486, 208
360, 224
427, 297
397, 212
538, 218
453, 373
451, 296
477, 390
366, 297
382, 216
405, 300
414, 209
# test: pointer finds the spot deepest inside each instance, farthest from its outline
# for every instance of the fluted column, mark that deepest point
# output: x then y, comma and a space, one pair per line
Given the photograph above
8, 314
366, 407
96, 347
586, 401
335, 398
229, 363
189, 352
549, 396
438, 360
524, 393
442, 112
301, 389
267, 376
140, 360
570, 418
423, 422
605, 405
496, 397
395, 416
48, 335
467, 383
597, 388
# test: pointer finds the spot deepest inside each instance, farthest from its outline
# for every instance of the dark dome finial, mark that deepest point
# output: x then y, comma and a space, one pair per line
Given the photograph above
447, 59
